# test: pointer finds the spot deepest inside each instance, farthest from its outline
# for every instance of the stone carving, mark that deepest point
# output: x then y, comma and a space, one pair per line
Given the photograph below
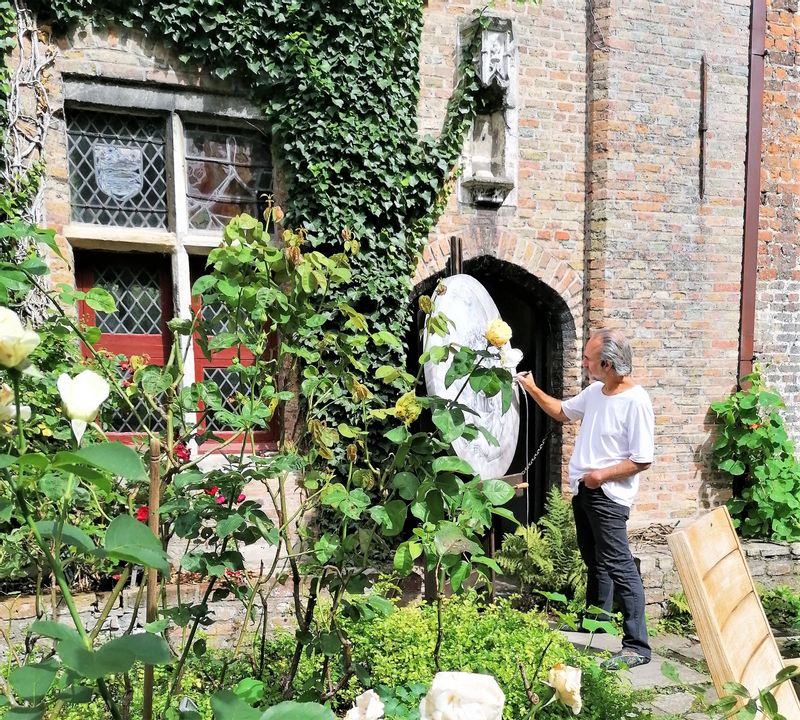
470, 307
496, 54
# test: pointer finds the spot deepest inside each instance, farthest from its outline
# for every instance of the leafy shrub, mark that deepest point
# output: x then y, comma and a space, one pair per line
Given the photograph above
545, 556
396, 652
781, 605
753, 447
677, 615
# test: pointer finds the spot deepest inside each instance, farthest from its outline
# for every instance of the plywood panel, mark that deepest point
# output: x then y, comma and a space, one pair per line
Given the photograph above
734, 633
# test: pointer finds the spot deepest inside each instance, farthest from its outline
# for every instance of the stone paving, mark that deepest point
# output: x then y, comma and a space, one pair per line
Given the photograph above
669, 699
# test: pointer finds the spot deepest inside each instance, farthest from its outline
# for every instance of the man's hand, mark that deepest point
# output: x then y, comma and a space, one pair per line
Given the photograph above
525, 379
594, 479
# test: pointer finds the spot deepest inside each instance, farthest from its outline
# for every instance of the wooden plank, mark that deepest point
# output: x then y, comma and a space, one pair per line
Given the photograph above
736, 638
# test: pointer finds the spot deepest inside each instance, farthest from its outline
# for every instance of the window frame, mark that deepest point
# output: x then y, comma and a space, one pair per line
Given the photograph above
180, 242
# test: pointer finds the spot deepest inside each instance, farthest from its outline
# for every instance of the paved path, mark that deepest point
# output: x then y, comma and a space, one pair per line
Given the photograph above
669, 699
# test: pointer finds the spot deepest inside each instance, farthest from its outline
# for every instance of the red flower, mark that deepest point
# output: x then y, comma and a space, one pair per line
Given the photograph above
241, 498
143, 514
220, 500
213, 490
181, 451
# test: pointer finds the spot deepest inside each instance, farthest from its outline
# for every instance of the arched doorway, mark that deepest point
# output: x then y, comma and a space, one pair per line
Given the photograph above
543, 326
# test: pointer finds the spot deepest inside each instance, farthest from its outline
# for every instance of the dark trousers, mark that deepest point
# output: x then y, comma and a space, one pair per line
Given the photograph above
602, 536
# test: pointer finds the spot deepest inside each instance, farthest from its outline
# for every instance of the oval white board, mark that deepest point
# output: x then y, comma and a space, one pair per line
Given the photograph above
470, 307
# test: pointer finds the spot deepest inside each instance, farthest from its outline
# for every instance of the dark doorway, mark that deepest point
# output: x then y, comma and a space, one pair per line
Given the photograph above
541, 322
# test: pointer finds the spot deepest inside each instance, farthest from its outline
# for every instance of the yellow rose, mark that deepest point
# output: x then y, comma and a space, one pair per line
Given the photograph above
16, 343
407, 409
566, 681
498, 333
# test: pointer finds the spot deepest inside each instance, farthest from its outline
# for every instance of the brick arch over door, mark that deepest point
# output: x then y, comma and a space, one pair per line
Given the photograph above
545, 330
511, 248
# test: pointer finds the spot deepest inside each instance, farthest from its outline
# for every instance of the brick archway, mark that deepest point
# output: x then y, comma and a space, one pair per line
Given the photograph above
514, 249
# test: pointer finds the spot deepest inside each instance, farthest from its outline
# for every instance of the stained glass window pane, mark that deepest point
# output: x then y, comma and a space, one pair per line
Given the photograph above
228, 171
137, 292
117, 169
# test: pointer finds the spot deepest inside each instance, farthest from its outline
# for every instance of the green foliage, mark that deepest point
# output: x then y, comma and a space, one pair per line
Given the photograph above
395, 651
781, 606
677, 616
339, 87
545, 557
753, 447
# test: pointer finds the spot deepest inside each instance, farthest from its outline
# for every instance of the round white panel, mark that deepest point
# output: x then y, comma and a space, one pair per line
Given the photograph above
470, 307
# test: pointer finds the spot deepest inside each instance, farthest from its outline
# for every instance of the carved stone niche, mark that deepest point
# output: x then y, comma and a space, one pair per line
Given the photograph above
489, 158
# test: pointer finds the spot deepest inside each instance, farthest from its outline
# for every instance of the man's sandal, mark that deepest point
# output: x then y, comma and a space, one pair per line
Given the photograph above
626, 659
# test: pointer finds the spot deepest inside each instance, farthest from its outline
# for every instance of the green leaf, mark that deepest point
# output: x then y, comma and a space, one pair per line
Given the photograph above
732, 467
451, 423
398, 435
6, 509
453, 464
69, 535
497, 492
54, 630
115, 458
157, 626
405, 555
116, 656
290, 710
228, 706
101, 300
450, 540
406, 484
229, 525
768, 703
6, 460
459, 574
32, 682
391, 517
670, 671
250, 690
130, 540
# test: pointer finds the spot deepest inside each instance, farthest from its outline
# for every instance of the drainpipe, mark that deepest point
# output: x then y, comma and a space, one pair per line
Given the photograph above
752, 186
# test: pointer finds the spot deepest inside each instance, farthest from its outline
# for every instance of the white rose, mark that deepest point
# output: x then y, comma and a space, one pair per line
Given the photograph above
16, 343
368, 706
8, 410
566, 681
82, 397
510, 357
462, 696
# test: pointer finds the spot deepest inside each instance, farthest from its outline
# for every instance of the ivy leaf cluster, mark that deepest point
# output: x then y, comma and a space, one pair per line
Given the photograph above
338, 82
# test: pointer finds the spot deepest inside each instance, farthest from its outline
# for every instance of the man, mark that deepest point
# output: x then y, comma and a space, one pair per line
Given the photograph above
614, 445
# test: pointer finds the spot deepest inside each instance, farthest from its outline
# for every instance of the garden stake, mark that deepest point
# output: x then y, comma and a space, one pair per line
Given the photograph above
152, 573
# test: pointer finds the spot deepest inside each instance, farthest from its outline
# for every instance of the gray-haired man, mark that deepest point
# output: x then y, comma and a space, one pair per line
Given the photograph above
614, 444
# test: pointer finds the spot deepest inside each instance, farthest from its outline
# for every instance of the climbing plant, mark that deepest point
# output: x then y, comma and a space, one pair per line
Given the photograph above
338, 83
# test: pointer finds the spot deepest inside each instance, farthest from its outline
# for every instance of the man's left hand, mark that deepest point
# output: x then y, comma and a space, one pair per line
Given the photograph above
593, 479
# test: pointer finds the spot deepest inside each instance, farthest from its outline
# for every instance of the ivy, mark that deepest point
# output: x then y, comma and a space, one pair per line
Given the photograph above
339, 86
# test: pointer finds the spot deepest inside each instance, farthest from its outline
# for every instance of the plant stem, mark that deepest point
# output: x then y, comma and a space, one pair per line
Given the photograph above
439, 625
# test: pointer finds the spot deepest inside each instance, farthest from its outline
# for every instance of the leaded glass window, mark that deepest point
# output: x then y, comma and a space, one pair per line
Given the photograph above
117, 169
137, 292
228, 171
230, 384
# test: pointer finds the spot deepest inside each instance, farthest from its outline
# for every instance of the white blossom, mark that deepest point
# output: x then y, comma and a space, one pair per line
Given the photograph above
82, 397
462, 696
368, 706
16, 342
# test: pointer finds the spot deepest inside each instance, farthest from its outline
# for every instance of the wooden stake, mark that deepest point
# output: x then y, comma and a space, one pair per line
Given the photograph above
152, 574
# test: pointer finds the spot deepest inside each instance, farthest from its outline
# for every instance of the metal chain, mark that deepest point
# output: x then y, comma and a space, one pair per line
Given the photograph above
536, 454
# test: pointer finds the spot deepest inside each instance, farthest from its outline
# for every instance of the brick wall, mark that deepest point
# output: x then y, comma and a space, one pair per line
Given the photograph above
777, 331
662, 263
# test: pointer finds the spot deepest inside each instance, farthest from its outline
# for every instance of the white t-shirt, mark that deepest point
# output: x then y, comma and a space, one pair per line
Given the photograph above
613, 428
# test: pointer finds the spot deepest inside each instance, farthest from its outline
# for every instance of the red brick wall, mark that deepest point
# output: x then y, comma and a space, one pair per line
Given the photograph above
777, 331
